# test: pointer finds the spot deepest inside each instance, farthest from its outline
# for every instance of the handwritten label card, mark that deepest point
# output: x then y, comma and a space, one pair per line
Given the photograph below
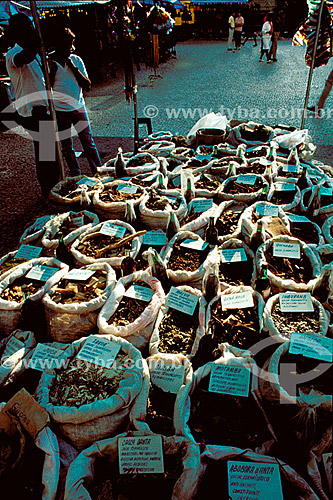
141, 455
45, 357
311, 346
200, 206
295, 302
285, 186
28, 252
41, 221
41, 273
127, 188
246, 179
112, 230
290, 168
182, 301
140, 293
237, 300
12, 346
254, 481
233, 255
99, 351
271, 210
167, 376
87, 182
77, 221
287, 250
298, 219
325, 191
79, 275
194, 244
228, 379
154, 238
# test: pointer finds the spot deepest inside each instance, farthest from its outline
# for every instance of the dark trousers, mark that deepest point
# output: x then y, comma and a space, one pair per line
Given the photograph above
237, 38
39, 125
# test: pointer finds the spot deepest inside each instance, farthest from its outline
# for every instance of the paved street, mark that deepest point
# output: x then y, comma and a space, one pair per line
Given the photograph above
204, 76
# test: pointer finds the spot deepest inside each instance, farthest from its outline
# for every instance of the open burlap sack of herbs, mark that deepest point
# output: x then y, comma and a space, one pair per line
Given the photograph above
327, 230
285, 194
93, 246
88, 402
214, 474
228, 219
16, 289
325, 202
210, 417
34, 233
153, 409
250, 134
157, 205
72, 306
134, 165
161, 148
196, 221
111, 201
324, 253
237, 273
187, 265
70, 224
297, 275
8, 262
242, 188
301, 417
176, 332
263, 210
132, 308
94, 475
74, 192
306, 230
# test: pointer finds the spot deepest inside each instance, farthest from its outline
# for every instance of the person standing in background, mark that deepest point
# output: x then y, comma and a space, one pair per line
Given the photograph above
239, 23
231, 24
267, 31
275, 39
317, 109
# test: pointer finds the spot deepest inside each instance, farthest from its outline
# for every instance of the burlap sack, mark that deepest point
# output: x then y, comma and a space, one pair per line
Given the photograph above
83, 196
115, 209
235, 243
33, 234
14, 350
247, 224
244, 197
158, 219
199, 225
287, 207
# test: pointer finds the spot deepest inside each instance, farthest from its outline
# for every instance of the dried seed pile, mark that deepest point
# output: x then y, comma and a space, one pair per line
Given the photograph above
68, 291
20, 290
177, 331
90, 247
186, 259
238, 327
112, 194
10, 264
300, 322
236, 273
299, 270
82, 383
234, 187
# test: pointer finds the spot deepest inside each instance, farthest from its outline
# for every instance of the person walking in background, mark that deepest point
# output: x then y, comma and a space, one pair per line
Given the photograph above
266, 31
24, 68
250, 25
231, 24
239, 23
317, 109
68, 77
275, 39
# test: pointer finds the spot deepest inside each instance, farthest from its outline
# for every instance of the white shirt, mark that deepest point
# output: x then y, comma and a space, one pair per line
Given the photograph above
239, 20
67, 92
231, 22
28, 82
266, 29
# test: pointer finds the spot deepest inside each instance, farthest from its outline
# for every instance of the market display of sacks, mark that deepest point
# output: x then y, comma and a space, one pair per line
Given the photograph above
74, 192
156, 206
112, 199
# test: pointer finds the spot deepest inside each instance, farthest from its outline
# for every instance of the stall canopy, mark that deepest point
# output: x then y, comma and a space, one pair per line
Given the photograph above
61, 4
177, 4
226, 2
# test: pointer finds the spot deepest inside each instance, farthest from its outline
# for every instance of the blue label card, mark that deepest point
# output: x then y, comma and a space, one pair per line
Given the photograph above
154, 238
110, 229
311, 346
140, 293
228, 379
28, 252
127, 188
182, 301
99, 351
87, 182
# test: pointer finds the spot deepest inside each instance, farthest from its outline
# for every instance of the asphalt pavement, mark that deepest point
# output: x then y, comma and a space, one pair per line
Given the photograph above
203, 77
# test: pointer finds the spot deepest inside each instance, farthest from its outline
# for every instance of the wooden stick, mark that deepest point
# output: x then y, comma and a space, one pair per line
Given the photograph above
90, 236
120, 243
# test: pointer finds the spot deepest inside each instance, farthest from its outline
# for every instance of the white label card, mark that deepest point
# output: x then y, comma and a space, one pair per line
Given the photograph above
28, 252
194, 244
79, 275
298, 218
295, 302
182, 301
41, 273
154, 238
285, 186
41, 221
141, 455
311, 346
176, 181
127, 188
287, 250
200, 206
87, 182
99, 351
237, 300
45, 357
78, 221
290, 168
112, 230
167, 376
12, 346
228, 379
325, 191
267, 210
140, 293
254, 481
233, 255
246, 179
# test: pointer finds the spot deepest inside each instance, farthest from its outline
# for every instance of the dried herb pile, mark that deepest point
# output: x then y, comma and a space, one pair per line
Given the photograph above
234, 187
299, 270
160, 411
20, 290
90, 247
70, 189
68, 291
128, 309
177, 331
207, 182
184, 259
161, 202
282, 197
68, 225
227, 223
299, 322
10, 264
112, 194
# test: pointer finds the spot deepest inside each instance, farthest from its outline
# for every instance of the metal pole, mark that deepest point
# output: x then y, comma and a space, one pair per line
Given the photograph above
312, 64
135, 102
48, 88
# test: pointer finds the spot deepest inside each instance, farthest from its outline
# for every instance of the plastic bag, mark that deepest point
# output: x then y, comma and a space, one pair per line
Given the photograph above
102, 418
200, 332
68, 322
10, 311
211, 120
158, 219
293, 139
270, 327
81, 472
115, 209
138, 332
279, 284
115, 262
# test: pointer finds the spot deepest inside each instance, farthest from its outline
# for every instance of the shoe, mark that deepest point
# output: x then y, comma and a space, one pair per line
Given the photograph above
255, 45
317, 111
261, 60
229, 50
274, 60
269, 61
311, 108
